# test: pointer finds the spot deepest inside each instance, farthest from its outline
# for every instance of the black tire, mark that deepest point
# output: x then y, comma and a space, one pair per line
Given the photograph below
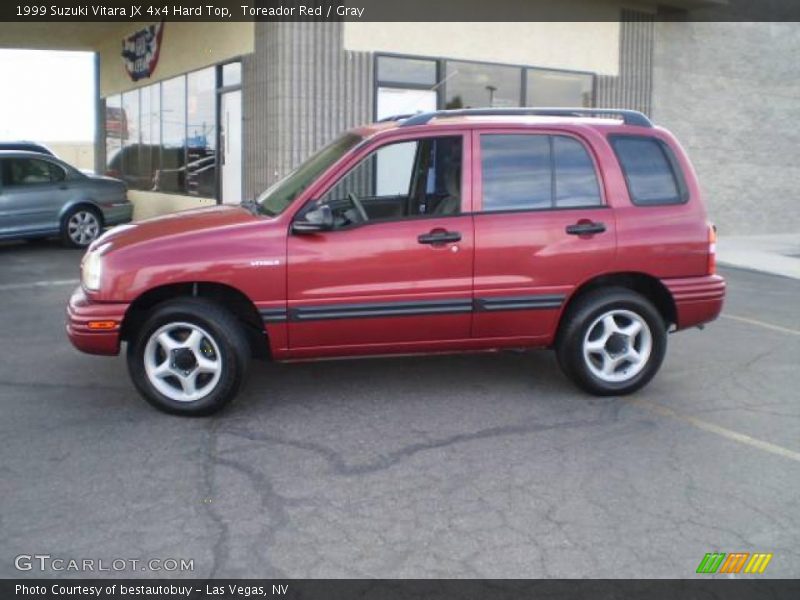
583, 315
67, 239
226, 333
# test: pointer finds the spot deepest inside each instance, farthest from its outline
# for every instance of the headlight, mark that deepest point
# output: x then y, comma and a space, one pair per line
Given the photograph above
92, 267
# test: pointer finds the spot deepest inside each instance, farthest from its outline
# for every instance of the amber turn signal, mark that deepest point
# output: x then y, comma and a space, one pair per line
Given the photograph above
102, 325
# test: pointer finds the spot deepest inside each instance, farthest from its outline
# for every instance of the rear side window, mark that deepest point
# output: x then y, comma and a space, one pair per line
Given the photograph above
536, 172
28, 171
575, 178
516, 172
651, 171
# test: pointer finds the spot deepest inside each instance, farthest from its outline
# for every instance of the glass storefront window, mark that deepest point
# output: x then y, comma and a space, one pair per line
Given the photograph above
406, 71
163, 137
172, 176
232, 74
557, 88
116, 128
150, 151
475, 85
131, 142
201, 126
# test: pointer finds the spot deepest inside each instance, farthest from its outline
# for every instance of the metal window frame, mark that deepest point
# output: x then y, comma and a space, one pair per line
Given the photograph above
441, 74
219, 89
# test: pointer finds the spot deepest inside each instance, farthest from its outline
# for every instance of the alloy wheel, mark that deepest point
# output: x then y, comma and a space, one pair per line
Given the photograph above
83, 227
617, 346
182, 361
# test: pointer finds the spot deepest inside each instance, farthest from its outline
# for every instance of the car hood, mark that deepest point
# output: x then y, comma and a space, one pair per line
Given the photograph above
177, 225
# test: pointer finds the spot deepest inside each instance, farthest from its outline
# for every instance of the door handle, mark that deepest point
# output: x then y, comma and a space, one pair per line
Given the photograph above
439, 237
586, 228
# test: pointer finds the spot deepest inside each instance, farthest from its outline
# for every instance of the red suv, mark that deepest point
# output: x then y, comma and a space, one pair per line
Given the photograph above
581, 230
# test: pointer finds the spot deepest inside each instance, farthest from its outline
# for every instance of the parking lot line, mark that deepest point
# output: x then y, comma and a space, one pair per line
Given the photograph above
721, 431
35, 284
761, 324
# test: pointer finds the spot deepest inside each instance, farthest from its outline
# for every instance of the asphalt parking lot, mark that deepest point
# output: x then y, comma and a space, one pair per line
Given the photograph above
487, 465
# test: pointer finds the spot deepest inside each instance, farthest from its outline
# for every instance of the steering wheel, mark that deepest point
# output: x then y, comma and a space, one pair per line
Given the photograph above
358, 206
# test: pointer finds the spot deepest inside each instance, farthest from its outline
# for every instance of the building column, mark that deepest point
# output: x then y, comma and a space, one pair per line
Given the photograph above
301, 89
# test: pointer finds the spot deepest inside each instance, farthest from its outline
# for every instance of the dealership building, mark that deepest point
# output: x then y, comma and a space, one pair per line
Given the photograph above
193, 114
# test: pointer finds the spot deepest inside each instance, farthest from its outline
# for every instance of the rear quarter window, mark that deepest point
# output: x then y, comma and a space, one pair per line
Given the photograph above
651, 171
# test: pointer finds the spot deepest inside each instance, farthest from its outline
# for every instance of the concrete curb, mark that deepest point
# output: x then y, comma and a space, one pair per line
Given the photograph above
776, 254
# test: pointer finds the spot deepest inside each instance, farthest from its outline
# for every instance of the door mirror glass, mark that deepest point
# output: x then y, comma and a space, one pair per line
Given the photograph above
317, 219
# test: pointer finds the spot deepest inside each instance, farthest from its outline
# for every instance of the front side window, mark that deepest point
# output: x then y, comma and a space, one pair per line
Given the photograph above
536, 172
276, 198
651, 171
414, 178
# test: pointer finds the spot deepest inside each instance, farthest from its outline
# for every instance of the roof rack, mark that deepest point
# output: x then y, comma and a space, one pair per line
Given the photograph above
629, 117
396, 117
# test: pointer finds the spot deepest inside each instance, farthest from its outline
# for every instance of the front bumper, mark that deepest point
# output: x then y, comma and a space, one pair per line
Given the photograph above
698, 300
83, 315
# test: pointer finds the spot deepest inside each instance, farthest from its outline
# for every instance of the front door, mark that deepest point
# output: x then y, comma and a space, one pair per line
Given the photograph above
396, 271
33, 192
231, 142
541, 228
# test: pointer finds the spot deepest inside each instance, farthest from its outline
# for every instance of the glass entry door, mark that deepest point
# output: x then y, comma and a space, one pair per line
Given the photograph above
231, 142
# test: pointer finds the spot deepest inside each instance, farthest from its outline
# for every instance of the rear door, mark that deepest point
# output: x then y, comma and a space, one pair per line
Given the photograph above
402, 277
542, 226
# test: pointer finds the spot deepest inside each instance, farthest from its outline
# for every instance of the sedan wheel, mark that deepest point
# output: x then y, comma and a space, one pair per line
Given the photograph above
83, 227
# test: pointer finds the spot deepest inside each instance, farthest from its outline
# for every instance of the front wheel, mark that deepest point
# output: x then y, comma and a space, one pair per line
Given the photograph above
189, 357
612, 343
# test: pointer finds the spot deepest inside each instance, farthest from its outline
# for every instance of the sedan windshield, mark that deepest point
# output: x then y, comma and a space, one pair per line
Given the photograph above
282, 193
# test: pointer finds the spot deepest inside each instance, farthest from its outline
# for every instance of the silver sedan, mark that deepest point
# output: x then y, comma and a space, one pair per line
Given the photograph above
42, 196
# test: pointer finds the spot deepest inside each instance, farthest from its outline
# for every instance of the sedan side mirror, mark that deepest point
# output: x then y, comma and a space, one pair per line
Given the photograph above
316, 220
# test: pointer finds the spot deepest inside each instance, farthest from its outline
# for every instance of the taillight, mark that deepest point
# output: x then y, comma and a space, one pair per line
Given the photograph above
712, 249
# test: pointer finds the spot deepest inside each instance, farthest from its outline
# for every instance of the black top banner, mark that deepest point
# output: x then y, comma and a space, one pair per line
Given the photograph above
430, 589
384, 10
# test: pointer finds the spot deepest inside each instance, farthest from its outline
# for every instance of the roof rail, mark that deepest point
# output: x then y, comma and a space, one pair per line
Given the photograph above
629, 117
396, 117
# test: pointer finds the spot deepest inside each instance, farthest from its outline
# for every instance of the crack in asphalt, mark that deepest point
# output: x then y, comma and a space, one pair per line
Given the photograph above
339, 466
221, 548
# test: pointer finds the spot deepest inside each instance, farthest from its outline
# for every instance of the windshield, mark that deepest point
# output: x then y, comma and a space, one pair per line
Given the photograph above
282, 193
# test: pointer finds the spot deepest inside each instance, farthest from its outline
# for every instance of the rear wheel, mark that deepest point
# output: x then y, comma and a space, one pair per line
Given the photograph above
612, 343
81, 226
190, 357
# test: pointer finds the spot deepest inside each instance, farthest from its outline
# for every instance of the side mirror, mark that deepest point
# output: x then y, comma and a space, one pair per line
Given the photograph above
316, 220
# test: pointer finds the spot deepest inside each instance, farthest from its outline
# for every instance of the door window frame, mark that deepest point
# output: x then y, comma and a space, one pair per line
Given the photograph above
477, 170
342, 169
